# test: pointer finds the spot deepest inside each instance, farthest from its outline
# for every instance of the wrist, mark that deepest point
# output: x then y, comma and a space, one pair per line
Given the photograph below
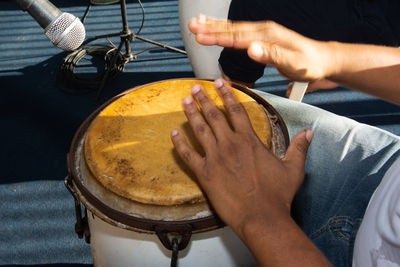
264, 224
332, 57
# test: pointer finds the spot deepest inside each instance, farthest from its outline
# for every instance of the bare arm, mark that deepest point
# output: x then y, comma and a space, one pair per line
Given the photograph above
249, 187
368, 68
282, 243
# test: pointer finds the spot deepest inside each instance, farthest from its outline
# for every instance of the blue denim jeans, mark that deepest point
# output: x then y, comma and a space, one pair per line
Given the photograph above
345, 163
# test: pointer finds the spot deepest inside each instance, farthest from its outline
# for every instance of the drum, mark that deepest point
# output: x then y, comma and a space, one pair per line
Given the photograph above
125, 226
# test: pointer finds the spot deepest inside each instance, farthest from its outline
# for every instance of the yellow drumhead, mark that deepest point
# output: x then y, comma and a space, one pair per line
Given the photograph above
128, 147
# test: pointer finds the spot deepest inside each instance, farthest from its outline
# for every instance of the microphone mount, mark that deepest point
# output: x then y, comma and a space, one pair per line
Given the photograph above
127, 36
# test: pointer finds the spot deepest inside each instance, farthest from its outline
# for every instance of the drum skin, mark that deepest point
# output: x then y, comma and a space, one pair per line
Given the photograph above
113, 246
129, 150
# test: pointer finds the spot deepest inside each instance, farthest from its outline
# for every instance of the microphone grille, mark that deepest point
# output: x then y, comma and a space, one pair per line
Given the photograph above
66, 32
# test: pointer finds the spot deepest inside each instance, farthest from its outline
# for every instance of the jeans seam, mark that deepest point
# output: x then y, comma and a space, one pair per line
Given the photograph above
332, 224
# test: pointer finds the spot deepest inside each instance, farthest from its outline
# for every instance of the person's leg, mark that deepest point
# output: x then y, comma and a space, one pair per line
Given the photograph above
346, 161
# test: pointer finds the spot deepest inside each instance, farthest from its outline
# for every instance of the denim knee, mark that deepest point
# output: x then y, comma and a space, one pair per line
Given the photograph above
336, 239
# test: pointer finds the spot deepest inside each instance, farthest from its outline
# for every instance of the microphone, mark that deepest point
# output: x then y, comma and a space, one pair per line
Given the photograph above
63, 29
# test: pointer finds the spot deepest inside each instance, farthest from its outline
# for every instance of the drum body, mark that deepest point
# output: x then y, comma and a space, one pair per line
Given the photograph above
114, 246
123, 232
204, 59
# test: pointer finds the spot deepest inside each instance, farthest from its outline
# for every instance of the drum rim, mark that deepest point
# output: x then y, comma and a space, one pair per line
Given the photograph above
195, 225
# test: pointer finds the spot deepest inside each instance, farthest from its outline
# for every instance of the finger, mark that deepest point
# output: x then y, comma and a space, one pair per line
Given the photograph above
215, 118
226, 33
321, 84
289, 89
201, 129
271, 54
314, 86
239, 34
191, 158
297, 151
236, 112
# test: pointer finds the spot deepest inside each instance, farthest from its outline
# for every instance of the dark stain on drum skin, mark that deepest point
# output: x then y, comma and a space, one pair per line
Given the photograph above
112, 133
155, 179
156, 93
124, 168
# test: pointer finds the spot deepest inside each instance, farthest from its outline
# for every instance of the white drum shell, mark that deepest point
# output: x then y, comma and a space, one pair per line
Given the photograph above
117, 247
204, 59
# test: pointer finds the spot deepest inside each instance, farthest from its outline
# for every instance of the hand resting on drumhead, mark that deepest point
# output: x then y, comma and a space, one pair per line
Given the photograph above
250, 188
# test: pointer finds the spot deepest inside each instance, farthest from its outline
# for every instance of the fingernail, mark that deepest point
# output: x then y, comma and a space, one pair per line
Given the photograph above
187, 100
195, 89
193, 21
218, 83
201, 37
309, 135
202, 18
256, 50
174, 133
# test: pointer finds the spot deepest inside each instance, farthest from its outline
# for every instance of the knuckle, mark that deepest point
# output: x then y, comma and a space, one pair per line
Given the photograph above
235, 108
274, 54
201, 129
203, 99
186, 155
191, 112
270, 24
237, 37
229, 26
227, 94
301, 148
268, 27
213, 114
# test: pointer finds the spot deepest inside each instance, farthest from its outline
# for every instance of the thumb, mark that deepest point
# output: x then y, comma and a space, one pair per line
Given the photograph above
267, 53
297, 151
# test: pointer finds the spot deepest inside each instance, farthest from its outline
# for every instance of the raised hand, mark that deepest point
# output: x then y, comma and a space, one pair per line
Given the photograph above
371, 69
296, 57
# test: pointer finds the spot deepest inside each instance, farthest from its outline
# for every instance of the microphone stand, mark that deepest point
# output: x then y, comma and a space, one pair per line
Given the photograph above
127, 36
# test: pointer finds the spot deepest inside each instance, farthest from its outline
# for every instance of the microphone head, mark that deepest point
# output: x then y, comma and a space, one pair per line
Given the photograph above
66, 32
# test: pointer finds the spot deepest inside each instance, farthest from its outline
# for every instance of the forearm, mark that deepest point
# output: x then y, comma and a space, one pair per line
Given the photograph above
368, 68
280, 242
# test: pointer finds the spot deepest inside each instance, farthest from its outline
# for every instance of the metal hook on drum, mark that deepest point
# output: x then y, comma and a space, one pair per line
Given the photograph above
174, 238
175, 251
81, 225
